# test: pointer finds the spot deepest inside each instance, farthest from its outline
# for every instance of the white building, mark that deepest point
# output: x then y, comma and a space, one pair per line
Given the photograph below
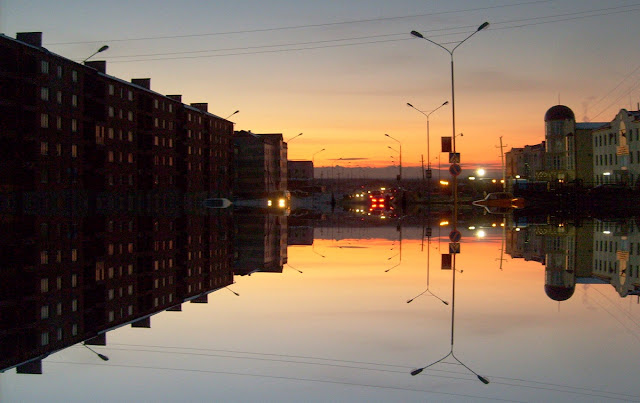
616, 150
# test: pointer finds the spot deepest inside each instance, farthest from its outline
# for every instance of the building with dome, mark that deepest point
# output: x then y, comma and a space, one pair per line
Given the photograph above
569, 147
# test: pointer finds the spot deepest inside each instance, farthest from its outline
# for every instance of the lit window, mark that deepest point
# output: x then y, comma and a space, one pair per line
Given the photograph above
44, 148
74, 150
74, 100
74, 305
130, 116
74, 255
74, 280
74, 125
44, 93
44, 120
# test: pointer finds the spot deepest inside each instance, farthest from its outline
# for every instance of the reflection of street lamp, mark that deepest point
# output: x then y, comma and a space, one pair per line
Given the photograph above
400, 152
102, 49
294, 268
297, 135
102, 356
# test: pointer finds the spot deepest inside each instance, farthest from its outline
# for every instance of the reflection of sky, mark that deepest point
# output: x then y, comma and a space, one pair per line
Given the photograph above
343, 331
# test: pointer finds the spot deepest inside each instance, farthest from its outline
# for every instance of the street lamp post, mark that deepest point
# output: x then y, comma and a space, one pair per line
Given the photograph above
427, 116
297, 135
102, 49
400, 144
453, 93
232, 114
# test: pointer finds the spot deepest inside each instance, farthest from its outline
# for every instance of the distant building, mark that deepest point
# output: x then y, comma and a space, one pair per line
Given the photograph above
299, 174
525, 162
260, 164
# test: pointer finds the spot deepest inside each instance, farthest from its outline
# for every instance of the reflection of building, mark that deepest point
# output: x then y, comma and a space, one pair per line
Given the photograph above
260, 164
66, 278
595, 252
260, 243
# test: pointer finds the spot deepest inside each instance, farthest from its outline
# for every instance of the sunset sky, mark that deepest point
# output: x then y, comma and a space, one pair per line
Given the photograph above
342, 72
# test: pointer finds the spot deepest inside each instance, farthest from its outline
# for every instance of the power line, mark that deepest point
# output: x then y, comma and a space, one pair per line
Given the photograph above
291, 27
260, 49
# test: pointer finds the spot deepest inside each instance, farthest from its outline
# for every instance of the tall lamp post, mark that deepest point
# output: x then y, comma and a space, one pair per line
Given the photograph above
427, 116
400, 144
102, 49
453, 95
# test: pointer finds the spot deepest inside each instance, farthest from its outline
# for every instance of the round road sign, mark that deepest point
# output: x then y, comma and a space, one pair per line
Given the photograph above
455, 236
455, 169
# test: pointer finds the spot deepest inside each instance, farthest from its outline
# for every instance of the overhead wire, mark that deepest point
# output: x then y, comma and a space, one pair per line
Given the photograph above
327, 24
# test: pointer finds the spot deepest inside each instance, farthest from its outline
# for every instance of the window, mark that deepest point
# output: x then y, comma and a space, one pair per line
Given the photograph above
130, 136
130, 116
130, 95
74, 305
74, 329
44, 148
44, 120
59, 97
74, 151
44, 67
111, 89
58, 123
74, 100
155, 103
74, 125
74, 76
44, 285
44, 338
110, 156
44, 312
44, 93
74, 255
59, 71
111, 112
74, 280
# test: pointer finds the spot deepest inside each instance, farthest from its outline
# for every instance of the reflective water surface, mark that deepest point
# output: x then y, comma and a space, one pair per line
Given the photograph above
239, 306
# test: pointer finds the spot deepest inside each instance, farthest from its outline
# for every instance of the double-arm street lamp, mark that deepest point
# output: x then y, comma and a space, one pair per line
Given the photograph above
400, 152
453, 103
427, 114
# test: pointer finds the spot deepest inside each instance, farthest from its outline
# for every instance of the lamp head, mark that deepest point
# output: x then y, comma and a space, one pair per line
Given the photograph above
418, 34
386, 134
416, 371
102, 49
482, 378
408, 104
446, 103
483, 26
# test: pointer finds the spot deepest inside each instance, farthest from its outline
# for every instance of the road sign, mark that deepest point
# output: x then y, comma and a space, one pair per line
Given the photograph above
455, 236
454, 247
455, 169
446, 144
428, 231
454, 158
445, 263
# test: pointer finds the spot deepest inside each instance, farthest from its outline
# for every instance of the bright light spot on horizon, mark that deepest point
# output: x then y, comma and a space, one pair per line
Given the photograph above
481, 172
481, 234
